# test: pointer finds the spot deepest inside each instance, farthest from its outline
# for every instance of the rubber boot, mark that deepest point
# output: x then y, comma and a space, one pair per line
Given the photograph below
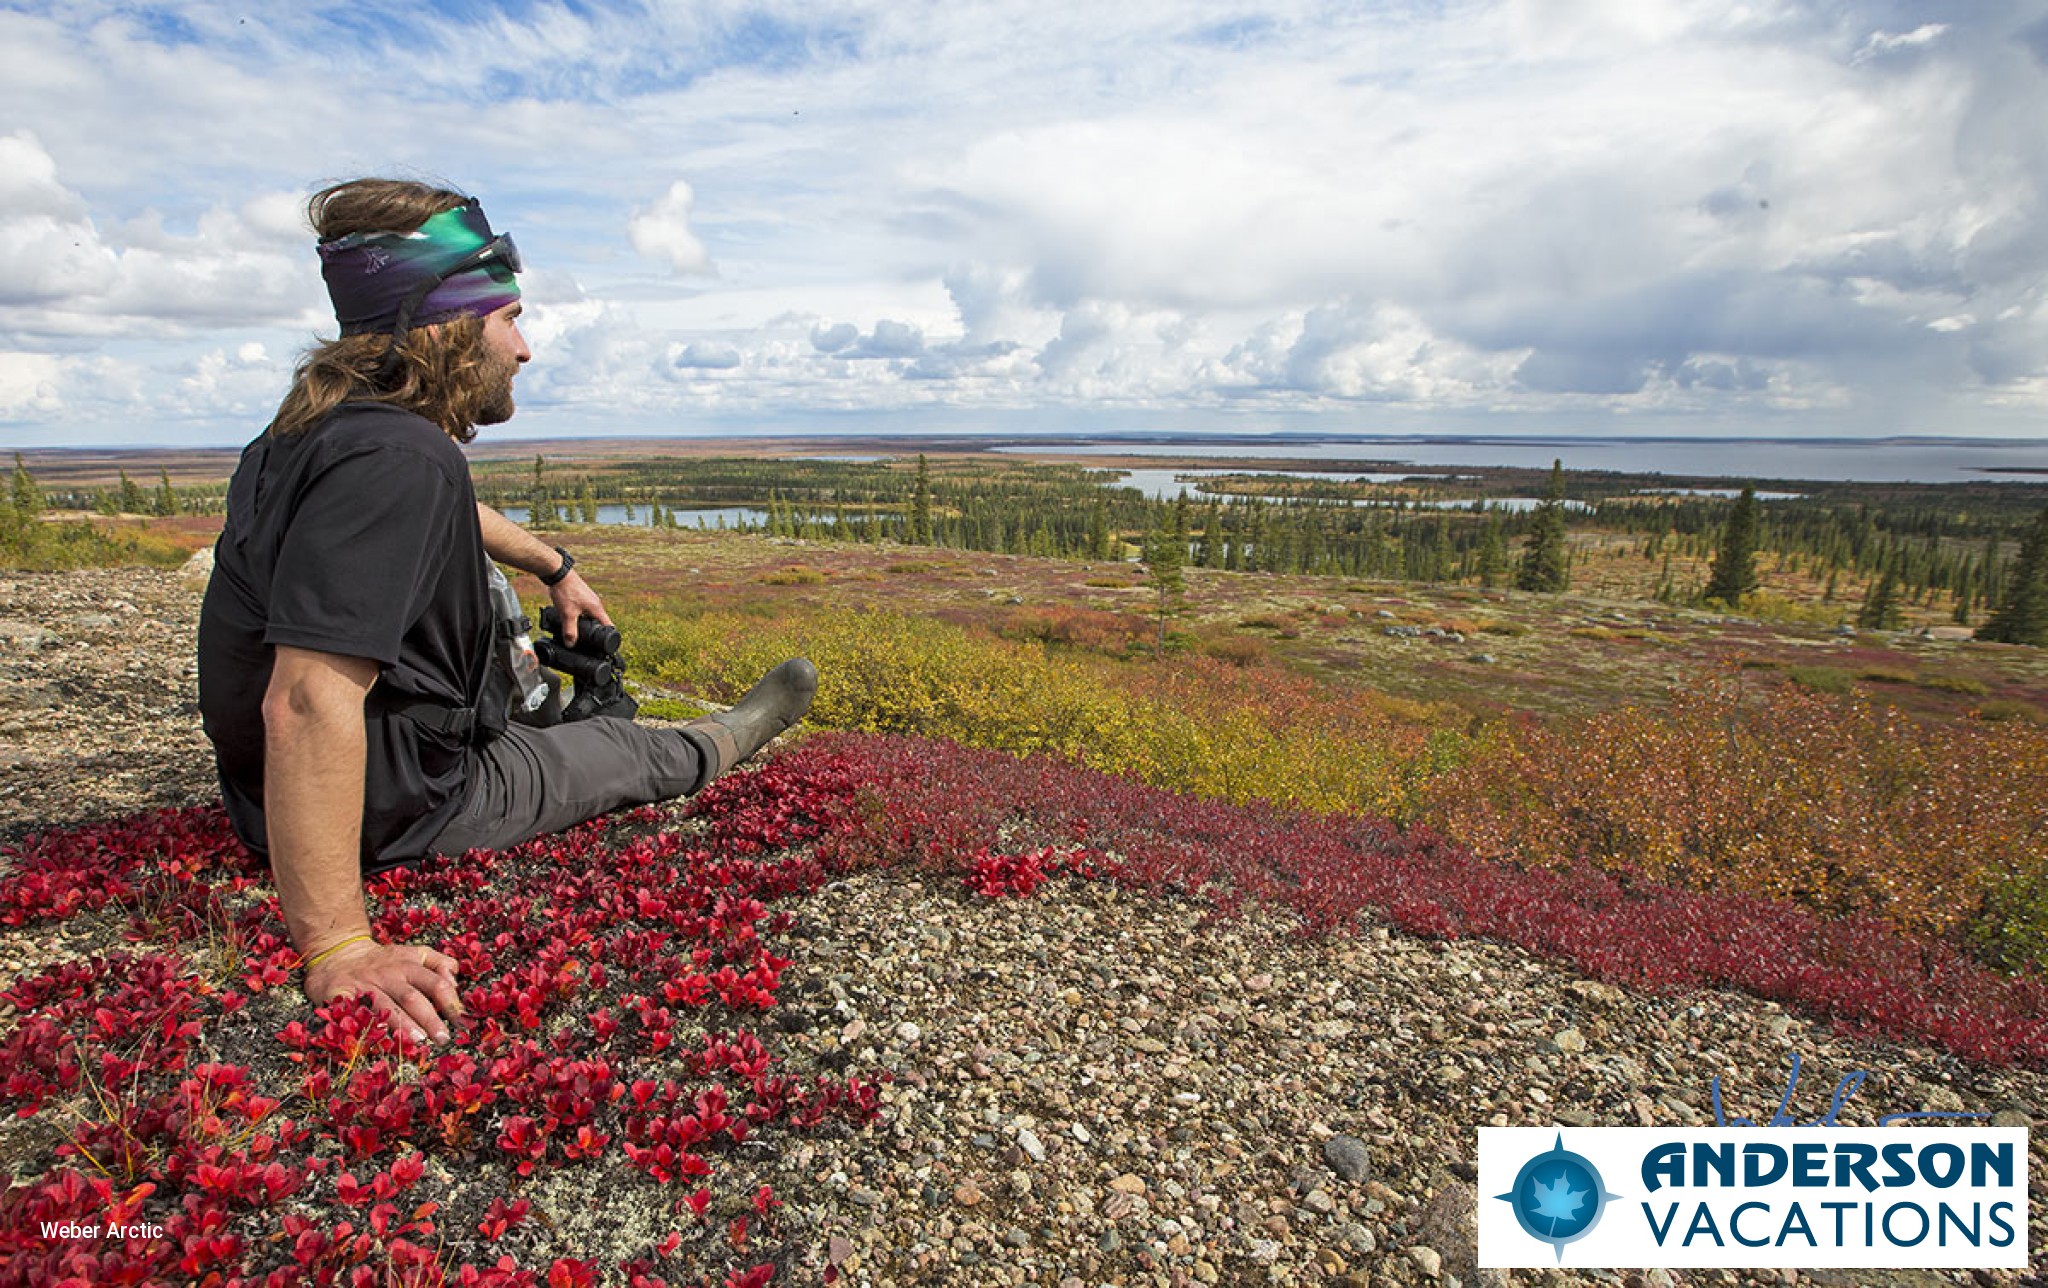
773, 705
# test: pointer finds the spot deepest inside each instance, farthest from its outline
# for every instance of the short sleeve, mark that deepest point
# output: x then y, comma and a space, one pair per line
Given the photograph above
361, 554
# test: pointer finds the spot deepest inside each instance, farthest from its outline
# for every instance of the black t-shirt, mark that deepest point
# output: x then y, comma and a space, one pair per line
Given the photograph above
358, 537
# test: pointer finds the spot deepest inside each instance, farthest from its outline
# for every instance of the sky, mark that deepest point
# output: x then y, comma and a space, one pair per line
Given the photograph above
1784, 218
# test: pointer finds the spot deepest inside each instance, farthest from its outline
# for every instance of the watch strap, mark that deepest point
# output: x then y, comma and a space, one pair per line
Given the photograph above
554, 578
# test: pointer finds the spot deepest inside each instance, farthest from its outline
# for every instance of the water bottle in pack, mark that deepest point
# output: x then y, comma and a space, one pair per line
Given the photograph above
529, 687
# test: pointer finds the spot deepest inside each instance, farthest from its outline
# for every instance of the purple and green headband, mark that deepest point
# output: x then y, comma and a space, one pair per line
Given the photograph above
449, 267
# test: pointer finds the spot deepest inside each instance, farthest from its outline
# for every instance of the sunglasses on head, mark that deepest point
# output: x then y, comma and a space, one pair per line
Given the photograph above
496, 254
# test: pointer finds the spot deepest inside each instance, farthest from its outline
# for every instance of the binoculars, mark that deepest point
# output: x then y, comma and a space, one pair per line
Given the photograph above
592, 662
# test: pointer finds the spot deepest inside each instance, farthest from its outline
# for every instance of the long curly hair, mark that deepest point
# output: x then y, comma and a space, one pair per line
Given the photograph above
440, 372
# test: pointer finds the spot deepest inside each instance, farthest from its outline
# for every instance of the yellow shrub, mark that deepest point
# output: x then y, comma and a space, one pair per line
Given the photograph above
1202, 726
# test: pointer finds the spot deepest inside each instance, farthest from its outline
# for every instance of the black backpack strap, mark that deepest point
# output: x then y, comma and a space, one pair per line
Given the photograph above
457, 722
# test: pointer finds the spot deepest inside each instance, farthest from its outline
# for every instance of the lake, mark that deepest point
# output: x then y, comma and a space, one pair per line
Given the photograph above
1164, 485
1838, 460
731, 515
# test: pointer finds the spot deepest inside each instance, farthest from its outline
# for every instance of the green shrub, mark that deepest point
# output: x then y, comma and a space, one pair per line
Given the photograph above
668, 709
1769, 607
1821, 679
2004, 709
37, 545
1968, 685
2012, 930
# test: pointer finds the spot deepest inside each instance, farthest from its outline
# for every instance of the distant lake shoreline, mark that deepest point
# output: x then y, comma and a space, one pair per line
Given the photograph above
1824, 461
2016, 462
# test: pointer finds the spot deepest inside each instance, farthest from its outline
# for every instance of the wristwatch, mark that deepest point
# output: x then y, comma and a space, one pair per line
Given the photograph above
554, 578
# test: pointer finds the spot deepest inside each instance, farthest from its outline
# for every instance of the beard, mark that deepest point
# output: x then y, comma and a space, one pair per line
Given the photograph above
496, 376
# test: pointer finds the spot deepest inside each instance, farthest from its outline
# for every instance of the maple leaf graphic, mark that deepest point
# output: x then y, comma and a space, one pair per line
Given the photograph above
1558, 1201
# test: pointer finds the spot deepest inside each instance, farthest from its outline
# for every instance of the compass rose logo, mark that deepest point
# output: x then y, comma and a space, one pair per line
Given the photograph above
1558, 1196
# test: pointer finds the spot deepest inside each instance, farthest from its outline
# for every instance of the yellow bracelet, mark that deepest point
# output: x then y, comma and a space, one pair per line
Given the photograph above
332, 949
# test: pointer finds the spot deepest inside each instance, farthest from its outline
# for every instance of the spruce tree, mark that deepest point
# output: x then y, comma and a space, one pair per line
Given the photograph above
166, 502
2022, 616
1098, 530
1543, 566
132, 500
1734, 573
1165, 554
540, 505
1880, 611
921, 504
1493, 554
26, 497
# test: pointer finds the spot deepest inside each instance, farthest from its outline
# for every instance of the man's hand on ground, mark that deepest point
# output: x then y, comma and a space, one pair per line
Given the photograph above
575, 600
412, 985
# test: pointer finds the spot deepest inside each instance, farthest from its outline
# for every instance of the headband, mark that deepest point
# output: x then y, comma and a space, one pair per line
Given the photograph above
450, 266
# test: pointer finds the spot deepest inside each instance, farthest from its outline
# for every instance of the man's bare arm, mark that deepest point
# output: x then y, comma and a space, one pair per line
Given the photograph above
313, 766
508, 543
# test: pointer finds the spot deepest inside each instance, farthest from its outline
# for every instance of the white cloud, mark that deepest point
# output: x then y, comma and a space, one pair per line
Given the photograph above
1721, 208
59, 275
48, 248
28, 182
831, 339
706, 355
28, 386
662, 233
244, 383
889, 339
1884, 42
142, 394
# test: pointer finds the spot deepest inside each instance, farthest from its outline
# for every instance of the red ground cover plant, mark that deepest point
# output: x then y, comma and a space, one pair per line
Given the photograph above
882, 800
613, 976
615, 979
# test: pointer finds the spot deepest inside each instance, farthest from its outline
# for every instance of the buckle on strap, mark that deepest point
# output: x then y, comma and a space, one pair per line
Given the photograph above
459, 722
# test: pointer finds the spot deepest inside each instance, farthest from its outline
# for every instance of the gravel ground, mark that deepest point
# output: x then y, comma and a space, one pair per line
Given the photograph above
99, 715
1092, 1087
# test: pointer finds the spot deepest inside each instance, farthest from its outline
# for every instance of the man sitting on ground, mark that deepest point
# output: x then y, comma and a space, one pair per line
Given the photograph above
350, 674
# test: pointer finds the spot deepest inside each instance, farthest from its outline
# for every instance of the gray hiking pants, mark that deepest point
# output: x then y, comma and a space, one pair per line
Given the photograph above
530, 781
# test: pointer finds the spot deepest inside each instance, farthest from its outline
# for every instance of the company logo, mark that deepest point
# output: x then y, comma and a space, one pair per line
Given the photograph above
1803, 1197
1814, 1194
1558, 1196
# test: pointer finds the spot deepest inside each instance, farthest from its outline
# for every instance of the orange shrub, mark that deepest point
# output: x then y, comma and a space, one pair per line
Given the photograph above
1843, 806
1087, 628
1238, 650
